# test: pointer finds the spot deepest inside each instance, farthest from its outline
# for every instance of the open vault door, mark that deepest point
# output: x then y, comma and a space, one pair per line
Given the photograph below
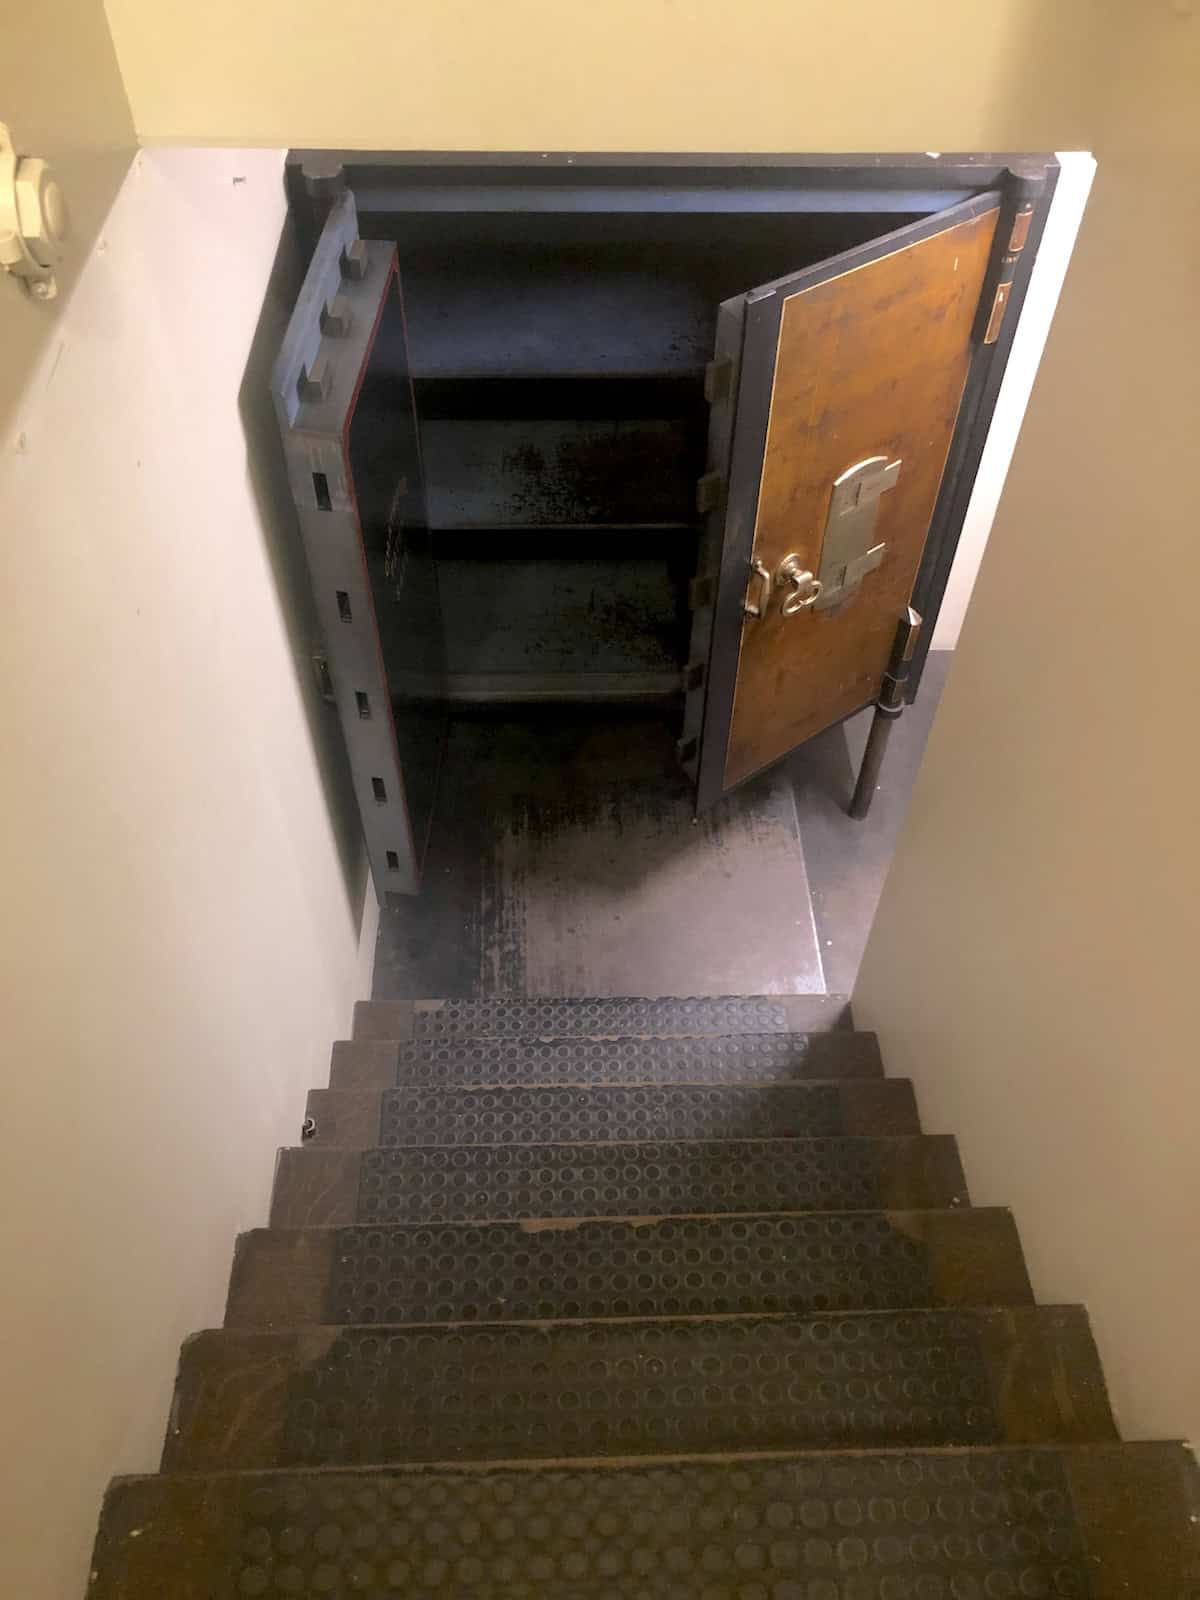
835, 396
344, 400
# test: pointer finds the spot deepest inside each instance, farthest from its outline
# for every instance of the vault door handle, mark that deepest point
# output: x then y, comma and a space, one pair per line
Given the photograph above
762, 576
805, 586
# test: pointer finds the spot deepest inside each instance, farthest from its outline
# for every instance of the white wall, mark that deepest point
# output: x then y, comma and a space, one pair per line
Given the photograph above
1037, 313
186, 919
622, 75
1033, 962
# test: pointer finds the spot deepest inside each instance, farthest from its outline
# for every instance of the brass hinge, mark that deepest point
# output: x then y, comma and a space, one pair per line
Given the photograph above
702, 592
1019, 233
999, 307
718, 379
1020, 230
709, 490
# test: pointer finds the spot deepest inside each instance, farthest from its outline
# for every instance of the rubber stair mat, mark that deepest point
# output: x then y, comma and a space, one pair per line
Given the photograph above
732, 1058
617, 1017
317, 1397
670, 1266
441, 1183
545, 1114
610, 1017
1102, 1522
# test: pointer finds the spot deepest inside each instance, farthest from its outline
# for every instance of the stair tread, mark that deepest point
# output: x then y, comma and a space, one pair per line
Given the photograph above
592, 1113
626, 1015
1108, 1521
445, 1183
669, 1298
801, 1263
725, 1058
613, 1016
352, 1396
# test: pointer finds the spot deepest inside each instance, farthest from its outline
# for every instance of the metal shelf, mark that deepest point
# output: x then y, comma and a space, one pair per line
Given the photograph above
581, 475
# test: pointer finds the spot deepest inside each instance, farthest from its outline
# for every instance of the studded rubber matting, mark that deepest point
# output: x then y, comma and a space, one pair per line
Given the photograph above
629, 1388
993, 1526
675, 1267
566, 1114
463, 1019
447, 1184
735, 1058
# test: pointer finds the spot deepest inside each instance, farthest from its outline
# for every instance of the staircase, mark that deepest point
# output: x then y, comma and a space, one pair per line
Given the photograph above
612, 1299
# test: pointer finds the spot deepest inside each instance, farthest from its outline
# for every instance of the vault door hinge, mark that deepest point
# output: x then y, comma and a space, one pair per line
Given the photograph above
999, 307
1008, 271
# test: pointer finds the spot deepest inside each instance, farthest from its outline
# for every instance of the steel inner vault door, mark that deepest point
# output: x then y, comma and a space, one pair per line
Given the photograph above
343, 398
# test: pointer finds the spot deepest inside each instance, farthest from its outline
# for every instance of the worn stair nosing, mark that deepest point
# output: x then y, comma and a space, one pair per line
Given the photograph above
615, 1083
636, 1462
602, 1144
498, 1324
637, 1219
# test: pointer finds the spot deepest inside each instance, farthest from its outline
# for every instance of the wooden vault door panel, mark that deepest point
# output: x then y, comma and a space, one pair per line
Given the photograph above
870, 361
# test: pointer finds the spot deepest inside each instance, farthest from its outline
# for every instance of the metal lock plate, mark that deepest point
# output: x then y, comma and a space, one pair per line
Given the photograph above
849, 549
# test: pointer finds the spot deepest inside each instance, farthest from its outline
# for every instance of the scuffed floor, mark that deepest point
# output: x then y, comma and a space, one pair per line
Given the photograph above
565, 860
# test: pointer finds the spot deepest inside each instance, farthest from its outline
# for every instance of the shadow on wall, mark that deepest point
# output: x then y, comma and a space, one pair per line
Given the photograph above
1043, 85
267, 473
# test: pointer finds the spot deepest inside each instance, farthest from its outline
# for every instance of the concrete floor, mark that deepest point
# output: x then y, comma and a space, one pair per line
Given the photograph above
564, 860
847, 861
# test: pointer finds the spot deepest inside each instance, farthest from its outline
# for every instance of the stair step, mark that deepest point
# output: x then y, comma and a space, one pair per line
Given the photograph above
446, 1183
730, 1058
1107, 1521
608, 1018
568, 1114
314, 1397
675, 1266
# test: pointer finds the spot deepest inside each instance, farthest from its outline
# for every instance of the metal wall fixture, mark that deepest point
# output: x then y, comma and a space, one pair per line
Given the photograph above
33, 219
